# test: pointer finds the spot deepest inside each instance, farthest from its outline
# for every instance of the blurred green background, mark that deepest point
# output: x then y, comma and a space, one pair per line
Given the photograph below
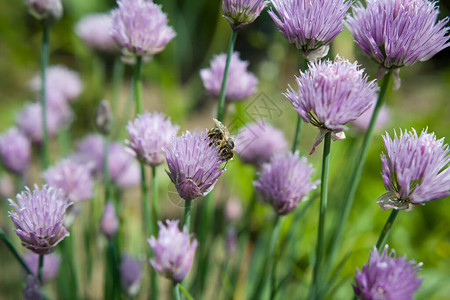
172, 85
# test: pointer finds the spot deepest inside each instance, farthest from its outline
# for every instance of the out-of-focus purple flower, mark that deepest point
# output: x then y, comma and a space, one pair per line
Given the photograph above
73, 178
330, 94
49, 10
130, 274
90, 150
109, 223
194, 166
398, 33
284, 181
7, 187
124, 170
242, 12
38, 218
241, 84
104, 118
415, 170
362, 123
29, 121
50, 268
387, 277
310, 25
32, 290
257, 142
149, 133
140, 27
233, 209
95, 31
174, 251
15, 151
231, 241
60, 79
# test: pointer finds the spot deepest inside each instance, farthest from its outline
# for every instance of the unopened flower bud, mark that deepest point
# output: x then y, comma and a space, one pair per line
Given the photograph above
109, 223
48, 10
103, 118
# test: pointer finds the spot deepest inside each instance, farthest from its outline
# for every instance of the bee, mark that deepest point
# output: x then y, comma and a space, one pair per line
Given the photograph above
220, 137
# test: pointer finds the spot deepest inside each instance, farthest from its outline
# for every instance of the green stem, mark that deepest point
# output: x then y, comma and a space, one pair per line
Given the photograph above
221, 110
185, 292
386, 229
298, 131
155, 199
40, 267
176, 292
113, 268
106, 179
137, 82
145, 205
70, 266
357, 171
187, 214
44, 63
14, 252
274, 256
322, 212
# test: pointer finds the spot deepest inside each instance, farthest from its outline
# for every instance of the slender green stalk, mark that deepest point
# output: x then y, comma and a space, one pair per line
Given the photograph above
40, 267
187, 215
357, 171
386, 229
14, 252
274, 256
176, 292
185, 292
322, 213
147, 221
113, 268
106, 179
298, 131
221, 110
155, 203
44, 62
138, 85
70, 266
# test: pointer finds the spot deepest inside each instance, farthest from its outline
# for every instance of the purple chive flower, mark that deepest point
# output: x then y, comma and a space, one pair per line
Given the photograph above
29, 121
90, 151
194, 166
310, 25
174, 251
257, 142
32, 290
109, 223
330, 94
140, 27
415, 170
124, 170
387, 277
49, 10
38, 218
60, 79
398, 33
240, 13
284, 181
149, 133
130, 274
7, 187
15, 151
95, 31
51, 265
73, 178
241, 84
362, 123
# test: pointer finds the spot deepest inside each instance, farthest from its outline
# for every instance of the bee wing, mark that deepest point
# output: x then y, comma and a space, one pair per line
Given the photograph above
222, 127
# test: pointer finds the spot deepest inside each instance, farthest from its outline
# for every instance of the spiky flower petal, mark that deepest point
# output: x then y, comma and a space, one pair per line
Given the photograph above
149, 133
194, 165
310, 25
242, 12
38, 216
398, 33
415, 170
241, 84
140, 27
285, 181
330, 94
174, 251
387, 277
